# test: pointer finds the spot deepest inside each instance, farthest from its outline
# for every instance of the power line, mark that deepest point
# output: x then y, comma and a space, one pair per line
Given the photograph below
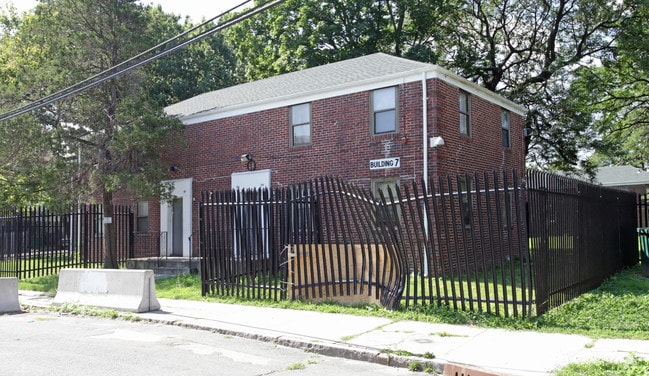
134, 62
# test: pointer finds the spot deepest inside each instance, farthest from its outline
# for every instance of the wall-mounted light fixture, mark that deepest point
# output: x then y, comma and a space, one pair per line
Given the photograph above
436, 141
251, 165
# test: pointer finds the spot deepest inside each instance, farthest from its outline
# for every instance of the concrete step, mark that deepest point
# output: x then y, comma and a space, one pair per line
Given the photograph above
164, 267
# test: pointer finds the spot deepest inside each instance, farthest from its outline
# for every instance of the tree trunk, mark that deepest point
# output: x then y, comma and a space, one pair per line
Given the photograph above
110, 254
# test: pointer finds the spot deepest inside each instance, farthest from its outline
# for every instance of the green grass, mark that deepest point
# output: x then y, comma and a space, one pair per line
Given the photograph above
619, 308
632, 366
31, 266
480, 287
44, 284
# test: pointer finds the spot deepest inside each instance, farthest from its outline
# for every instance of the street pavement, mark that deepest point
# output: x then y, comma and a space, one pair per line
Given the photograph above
457, 349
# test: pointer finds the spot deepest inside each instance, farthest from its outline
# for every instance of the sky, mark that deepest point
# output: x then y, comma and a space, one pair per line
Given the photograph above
195, 9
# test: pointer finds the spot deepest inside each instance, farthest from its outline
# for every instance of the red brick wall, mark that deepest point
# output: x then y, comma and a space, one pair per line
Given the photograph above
482, 150
342, 144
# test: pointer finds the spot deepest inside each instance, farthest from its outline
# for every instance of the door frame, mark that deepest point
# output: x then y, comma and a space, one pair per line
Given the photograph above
181, 188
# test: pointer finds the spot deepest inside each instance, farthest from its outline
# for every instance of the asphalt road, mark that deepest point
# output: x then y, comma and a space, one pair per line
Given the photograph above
50, 344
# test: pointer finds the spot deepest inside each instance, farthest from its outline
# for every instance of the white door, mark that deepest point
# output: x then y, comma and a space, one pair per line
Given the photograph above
176, 219
250, 223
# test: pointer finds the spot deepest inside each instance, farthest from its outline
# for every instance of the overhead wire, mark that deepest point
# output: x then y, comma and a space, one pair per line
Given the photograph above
135, 62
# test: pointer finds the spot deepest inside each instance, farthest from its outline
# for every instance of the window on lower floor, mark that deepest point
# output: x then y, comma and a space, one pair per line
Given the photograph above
387, 187
465, 203
142, 224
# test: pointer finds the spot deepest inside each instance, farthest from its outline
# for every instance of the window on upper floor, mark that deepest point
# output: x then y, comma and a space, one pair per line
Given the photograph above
384, 110
465, 119
301, 124
505, 125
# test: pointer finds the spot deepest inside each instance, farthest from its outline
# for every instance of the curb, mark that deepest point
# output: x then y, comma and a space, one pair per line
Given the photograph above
332, 349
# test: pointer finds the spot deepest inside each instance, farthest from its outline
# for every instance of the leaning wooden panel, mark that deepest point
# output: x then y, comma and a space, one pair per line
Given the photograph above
341, 273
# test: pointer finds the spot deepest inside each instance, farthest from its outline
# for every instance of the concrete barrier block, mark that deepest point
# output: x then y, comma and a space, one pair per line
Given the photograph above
9, 295
124, 290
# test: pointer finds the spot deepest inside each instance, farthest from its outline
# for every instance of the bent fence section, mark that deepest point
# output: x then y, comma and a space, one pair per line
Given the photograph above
313, 241
457, 242
490, 242
465, 242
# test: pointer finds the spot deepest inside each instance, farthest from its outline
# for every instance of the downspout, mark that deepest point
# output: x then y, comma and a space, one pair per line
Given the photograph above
424, 139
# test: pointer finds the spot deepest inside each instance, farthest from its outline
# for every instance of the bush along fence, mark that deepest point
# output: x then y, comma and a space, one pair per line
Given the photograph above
483, 242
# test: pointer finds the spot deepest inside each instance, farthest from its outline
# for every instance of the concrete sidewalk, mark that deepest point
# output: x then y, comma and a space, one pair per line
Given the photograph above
458, 350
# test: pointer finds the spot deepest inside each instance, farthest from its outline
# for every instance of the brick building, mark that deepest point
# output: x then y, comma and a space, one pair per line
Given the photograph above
375, 121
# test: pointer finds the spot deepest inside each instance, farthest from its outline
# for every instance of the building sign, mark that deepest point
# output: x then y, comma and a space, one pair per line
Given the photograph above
385, 163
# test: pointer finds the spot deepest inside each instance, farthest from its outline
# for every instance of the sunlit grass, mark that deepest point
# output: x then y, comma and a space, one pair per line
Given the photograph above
37, 266
485, 292
632, 366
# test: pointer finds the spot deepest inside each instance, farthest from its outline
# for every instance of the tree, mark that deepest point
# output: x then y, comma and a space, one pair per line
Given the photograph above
24, 176
200, 67
617, 93
109, 137
529, 51
526, 50
306, 33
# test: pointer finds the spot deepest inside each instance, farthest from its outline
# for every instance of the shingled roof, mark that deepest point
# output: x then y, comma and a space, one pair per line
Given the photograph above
325, 78
612, 176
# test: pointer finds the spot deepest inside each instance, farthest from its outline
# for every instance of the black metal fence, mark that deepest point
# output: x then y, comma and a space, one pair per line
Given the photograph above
643, 210
460, 241
478, 242
580, 234
36, 242
310, 241
465, 243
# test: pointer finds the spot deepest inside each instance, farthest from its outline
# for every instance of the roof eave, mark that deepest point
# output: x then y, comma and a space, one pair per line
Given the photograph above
430, 72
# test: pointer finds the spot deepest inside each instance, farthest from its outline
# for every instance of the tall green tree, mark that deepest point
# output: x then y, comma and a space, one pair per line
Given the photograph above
616, 92
525, 50
529, 50
306, 33
109, 137
202, 66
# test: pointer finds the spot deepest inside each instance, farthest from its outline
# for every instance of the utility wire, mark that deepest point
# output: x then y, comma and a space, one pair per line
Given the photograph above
134, 62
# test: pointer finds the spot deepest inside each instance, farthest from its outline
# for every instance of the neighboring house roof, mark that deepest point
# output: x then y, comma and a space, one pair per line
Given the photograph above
325, 81
618, 176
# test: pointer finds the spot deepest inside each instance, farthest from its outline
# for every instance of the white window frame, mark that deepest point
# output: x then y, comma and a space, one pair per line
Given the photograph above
505, 119
380, 107
465, 113
300, 121
142, 215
